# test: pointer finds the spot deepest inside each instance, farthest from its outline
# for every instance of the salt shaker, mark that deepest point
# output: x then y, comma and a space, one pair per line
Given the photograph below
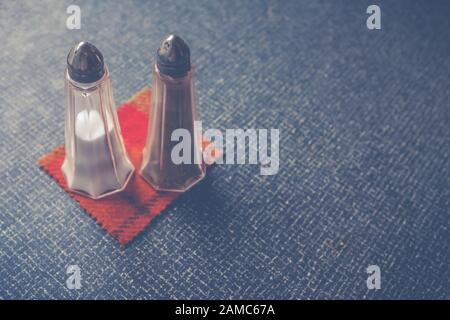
96, 163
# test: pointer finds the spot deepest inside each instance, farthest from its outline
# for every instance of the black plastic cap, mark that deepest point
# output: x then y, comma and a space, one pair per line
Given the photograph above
85, 63
173, 57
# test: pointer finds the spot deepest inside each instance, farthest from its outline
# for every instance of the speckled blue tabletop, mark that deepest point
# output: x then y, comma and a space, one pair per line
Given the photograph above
364, 178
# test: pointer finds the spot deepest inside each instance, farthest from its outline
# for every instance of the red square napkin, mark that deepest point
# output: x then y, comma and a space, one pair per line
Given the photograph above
125, 214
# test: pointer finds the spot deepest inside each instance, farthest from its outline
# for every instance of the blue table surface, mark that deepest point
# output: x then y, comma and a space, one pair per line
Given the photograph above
364, 178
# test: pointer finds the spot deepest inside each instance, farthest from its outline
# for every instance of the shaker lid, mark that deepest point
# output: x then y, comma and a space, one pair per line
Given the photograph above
173, 57
85, 63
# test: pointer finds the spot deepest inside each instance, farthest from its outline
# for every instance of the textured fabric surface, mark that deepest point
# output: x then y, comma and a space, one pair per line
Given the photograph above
126, 214
364, 175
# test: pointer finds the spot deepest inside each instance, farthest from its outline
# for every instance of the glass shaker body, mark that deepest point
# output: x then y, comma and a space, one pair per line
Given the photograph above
173, 107
96, 163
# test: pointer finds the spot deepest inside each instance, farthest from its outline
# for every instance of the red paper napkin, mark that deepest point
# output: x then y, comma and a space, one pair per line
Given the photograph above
125, 214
